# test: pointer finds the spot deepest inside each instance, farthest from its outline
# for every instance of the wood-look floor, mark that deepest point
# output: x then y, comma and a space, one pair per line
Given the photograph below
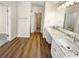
33, 47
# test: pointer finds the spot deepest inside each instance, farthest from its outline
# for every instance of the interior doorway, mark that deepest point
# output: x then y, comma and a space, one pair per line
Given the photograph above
4, 30
38, 17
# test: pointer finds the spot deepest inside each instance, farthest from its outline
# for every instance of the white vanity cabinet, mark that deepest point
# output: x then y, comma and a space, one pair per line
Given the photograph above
56, 51
61, 45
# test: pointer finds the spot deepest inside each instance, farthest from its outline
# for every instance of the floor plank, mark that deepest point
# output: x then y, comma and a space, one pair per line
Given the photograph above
33, 47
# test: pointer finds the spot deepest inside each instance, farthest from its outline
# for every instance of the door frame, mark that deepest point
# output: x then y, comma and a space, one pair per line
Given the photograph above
8, 15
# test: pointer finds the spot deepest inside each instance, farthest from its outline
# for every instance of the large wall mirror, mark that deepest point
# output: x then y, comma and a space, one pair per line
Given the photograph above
71, 18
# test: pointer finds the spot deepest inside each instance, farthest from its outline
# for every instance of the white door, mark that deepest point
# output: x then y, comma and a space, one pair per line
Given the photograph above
3, 19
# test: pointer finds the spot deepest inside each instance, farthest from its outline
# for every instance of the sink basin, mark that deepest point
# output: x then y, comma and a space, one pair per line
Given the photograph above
69, 47
64, 43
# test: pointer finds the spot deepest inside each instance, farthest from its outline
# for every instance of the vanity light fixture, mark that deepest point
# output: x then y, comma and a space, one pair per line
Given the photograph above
67, 4
71, 2
62, 6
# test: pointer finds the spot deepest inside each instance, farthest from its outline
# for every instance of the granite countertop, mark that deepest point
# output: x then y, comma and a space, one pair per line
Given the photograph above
62, 41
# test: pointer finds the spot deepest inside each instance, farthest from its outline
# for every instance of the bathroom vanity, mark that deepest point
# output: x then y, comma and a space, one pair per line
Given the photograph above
63, 43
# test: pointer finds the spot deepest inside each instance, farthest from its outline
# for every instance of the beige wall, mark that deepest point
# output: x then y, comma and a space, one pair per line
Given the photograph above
23, 19
54, 16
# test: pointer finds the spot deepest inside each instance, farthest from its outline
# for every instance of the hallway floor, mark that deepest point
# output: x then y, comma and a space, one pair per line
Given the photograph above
33, 47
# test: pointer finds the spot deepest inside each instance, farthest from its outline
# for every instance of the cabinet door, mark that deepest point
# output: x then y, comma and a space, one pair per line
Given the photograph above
56, 50
47, 36
61, 52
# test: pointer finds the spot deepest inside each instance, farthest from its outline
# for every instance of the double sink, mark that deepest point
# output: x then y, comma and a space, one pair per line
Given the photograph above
70, 48
70, 43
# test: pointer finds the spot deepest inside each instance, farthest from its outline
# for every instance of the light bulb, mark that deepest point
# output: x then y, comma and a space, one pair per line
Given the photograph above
60, 6
63, 5
71, 2
67, 4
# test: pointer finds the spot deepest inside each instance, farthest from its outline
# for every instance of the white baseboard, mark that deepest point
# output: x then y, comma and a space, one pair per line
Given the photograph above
11, 38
